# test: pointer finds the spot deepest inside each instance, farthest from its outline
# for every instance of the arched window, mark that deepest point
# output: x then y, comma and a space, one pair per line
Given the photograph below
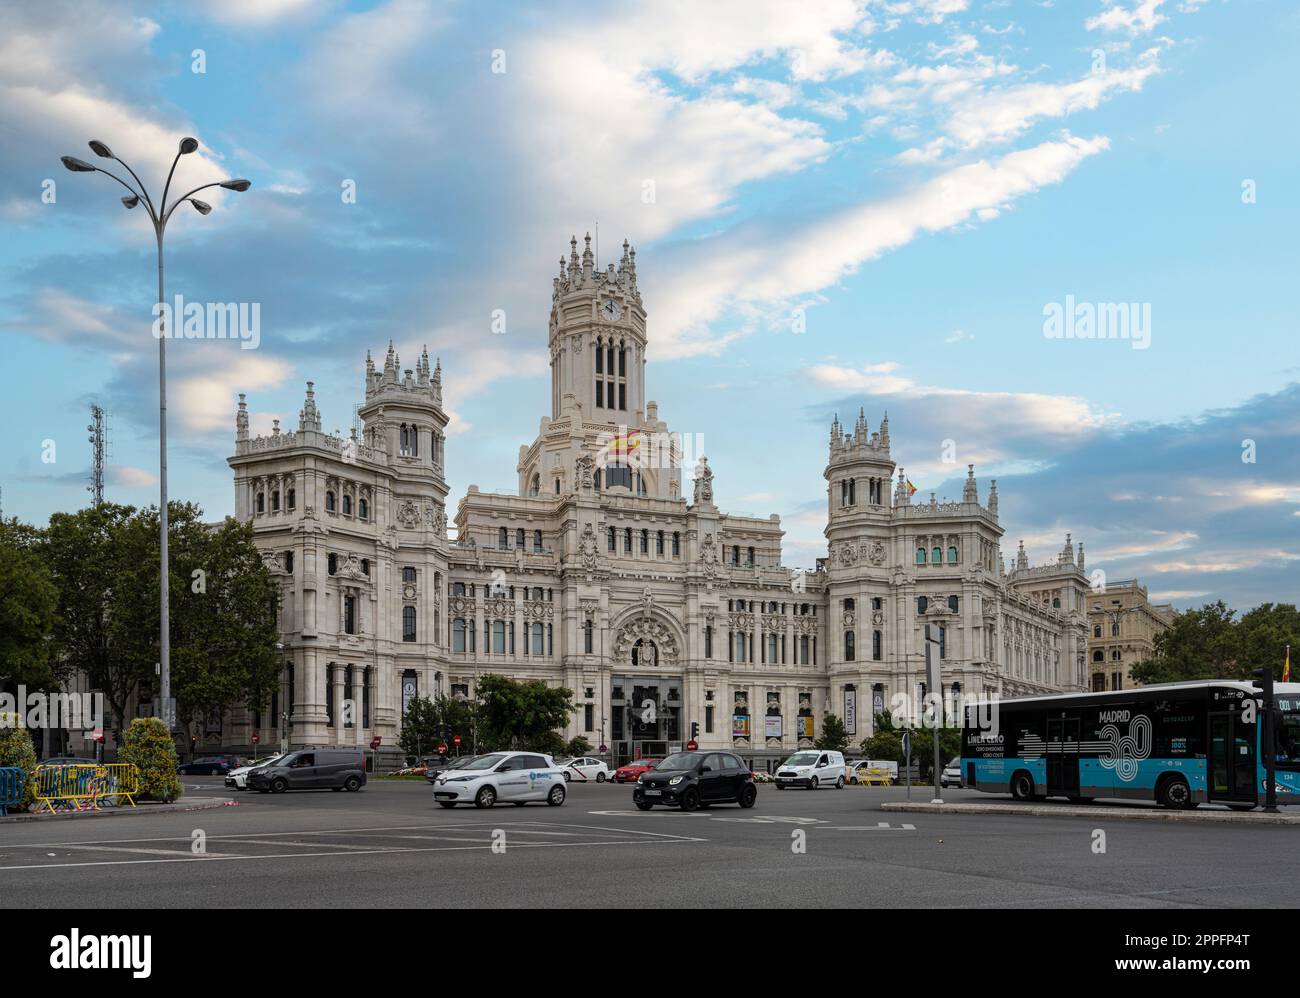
587, 643
535, 487
600, 355
735, 554
749, 554
275, 501
363, 509
498, 637
627, 540
408, 623
261, 502
288, 562
537, 541
953, 603
645, 542
1098, 656
659, 543
347, 505
365, 566
1114, 629
597, 480
936, 556
922, 604
1056, 603
848, 646
920, 556
329, 502
291, 499
613, 547
952, 555
1096, 631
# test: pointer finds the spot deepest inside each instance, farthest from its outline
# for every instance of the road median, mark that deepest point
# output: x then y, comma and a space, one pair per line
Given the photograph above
1089, 811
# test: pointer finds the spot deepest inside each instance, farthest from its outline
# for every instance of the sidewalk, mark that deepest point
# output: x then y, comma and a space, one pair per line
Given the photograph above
1140, 812
145, 807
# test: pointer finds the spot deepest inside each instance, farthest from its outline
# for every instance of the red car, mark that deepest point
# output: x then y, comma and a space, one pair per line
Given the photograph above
630, 772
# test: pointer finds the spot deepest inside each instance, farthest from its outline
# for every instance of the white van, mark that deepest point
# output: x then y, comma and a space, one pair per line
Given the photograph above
812, 769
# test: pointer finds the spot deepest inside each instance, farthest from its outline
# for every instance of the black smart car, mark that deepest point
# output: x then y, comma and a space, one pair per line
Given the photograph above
696, 779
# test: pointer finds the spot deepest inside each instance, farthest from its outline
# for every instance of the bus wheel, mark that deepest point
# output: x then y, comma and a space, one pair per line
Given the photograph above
1174, 793
1022, 786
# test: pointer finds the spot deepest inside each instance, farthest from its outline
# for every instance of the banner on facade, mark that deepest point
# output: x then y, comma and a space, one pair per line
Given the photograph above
772, 726
739, 725
806, 726
851, 711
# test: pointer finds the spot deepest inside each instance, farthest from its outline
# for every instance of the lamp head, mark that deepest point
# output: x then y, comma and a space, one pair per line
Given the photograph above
131, 200
202, 207
239, 184
99, 149
188, 145
77, 165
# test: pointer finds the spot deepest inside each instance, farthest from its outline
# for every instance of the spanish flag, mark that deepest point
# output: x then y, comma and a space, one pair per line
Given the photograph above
911, 489
626, 443
1286, 666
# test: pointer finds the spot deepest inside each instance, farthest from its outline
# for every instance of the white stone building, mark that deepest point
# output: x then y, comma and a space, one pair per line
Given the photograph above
602, 575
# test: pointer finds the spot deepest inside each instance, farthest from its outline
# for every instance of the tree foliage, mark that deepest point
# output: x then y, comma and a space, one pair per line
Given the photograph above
834, 737
887, 744
148, 746
1209, 643
16, 749
28, 601
526, 714
425, 724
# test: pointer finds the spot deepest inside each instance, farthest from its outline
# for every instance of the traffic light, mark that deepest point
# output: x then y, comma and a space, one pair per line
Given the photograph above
695, 731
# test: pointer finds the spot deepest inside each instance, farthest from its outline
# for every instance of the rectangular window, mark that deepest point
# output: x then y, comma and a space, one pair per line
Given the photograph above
600, 395
589, 717
708, 720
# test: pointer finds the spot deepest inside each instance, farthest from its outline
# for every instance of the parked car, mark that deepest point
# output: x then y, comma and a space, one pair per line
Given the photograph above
630, 772
586, 768
509, 777
951, 775
209, 765
812, 769
311, 769
696, 779
237, 779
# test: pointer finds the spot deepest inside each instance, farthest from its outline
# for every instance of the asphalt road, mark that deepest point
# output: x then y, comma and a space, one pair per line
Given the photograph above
389, 846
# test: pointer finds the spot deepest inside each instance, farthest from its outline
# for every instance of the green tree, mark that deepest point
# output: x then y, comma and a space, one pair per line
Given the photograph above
425, 723
834, 737
886, 744
1264, 634
28, 601
149, 747
1201, 644
16, 749
96, 574
224, 609
578, 745
521, 714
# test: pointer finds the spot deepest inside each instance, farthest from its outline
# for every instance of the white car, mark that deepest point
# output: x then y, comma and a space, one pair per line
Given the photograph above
509, 777
586, 768
951, 776
237, 779
812, 769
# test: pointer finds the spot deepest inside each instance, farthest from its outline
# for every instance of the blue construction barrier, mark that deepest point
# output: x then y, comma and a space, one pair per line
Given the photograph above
11, 788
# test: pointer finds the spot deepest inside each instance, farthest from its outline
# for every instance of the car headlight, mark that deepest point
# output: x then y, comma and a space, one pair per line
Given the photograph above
641, 778
675, 780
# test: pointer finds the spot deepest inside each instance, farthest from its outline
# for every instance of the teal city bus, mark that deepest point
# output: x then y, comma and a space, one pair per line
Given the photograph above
1179, 744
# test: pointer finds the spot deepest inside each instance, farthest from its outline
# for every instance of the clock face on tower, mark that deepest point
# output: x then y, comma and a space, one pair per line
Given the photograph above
610, 310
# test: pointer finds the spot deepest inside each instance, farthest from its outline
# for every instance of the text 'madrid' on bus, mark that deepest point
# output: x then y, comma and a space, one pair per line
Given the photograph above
1180, 744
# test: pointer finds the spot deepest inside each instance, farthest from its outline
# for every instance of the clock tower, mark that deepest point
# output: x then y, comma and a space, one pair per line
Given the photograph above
597, 338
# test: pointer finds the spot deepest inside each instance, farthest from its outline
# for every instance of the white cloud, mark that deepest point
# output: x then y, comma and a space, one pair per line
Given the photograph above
760, 264
1138, 19
204, 400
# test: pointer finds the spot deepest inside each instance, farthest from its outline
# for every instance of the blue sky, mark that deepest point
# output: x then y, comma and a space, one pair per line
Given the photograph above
917, 179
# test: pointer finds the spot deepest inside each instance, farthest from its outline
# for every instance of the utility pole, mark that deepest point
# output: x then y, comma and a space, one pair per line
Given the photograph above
98, 445
934, 677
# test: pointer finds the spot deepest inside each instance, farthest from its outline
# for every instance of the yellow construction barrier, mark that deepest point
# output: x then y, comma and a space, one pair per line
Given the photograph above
85, 786
873, 775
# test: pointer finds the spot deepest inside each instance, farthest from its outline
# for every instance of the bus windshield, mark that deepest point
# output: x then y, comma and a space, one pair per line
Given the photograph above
1288, 740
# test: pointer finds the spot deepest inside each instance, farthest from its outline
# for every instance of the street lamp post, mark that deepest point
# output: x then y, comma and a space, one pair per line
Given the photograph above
159, 216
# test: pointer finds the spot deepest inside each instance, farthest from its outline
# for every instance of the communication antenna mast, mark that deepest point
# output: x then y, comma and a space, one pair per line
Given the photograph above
98, 445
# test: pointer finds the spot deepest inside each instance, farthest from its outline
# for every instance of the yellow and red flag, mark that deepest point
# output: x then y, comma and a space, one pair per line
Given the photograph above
1286, 666
911, 489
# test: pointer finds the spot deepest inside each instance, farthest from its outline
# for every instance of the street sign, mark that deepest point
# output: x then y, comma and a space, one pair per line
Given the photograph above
691, 746
442, 748
907, 747
256, 738
456, 740
376, 742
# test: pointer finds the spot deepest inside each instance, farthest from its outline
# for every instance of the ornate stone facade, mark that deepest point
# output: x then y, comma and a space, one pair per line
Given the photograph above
600, 576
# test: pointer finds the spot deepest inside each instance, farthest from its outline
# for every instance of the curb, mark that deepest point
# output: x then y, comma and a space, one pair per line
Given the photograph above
115, 812
1065, 811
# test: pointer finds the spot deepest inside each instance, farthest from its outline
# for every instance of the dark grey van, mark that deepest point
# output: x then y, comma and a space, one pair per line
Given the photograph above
312, 769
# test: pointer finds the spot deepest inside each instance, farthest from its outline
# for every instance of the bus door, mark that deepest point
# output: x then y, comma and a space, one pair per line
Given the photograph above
1063, 756
1232, 758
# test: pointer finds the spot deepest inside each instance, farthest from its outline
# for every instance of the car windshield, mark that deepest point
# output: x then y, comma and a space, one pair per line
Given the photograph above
682, 760
954, 763
482, 762
269, 761
802, 759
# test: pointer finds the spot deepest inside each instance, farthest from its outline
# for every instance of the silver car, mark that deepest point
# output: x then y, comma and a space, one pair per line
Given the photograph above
951, 775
